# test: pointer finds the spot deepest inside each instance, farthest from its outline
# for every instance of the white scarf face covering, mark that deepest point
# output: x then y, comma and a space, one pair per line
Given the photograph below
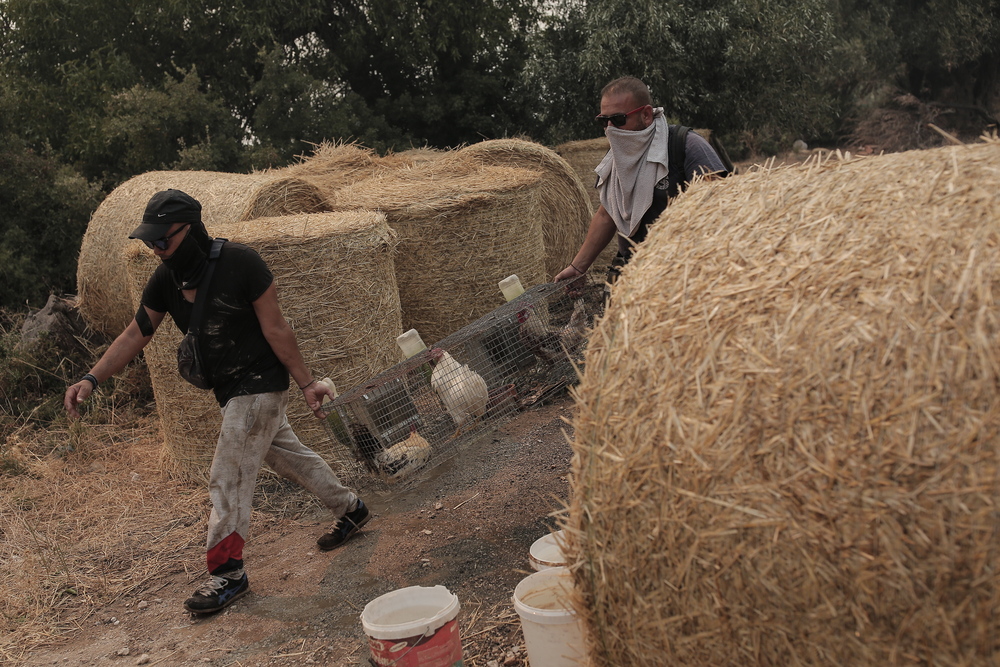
636, 162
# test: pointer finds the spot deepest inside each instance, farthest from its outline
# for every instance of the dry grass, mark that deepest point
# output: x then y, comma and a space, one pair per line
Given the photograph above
96, 520
86, 526
102, 283
490, 634
786, 445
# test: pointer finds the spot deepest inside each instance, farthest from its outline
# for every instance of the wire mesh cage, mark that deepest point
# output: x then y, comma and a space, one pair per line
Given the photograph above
423, 410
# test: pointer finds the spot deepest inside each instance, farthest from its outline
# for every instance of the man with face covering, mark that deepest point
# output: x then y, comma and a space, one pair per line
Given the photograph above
635, 178
249, 350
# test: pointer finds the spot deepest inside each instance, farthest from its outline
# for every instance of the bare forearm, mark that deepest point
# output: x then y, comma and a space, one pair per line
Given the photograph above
600, 233
124, 349
281, 338
286, 348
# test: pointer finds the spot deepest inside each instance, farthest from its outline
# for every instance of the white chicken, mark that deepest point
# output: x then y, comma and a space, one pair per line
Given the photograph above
462, 390
404, 457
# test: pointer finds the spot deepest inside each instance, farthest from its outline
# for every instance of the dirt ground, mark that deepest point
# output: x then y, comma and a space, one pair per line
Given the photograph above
466, 524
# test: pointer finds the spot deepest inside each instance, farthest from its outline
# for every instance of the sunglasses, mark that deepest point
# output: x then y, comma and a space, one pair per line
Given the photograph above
617, 119
162, 243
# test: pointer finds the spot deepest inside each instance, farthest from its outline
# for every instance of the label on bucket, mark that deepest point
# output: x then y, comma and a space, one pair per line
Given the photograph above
442, 649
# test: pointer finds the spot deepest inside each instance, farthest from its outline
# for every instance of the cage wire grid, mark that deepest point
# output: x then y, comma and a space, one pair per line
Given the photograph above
422, 411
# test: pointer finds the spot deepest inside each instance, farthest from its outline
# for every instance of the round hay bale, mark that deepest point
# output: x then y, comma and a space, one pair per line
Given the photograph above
337, 289
334, 165
786, 445
462, 229
101, 276
584, 156
563, 201
411, 157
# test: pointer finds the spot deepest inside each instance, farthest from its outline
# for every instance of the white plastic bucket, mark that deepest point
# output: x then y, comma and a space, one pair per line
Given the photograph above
553, 635
414, 627
546, 552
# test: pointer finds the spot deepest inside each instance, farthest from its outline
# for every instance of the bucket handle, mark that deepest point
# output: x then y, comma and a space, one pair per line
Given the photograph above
415, 644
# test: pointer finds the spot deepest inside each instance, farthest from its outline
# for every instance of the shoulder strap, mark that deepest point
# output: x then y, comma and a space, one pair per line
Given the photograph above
194, 326
217, 244
676, 157
677, 150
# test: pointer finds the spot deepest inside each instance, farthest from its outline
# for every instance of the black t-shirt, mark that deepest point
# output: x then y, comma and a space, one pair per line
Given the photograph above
233, 347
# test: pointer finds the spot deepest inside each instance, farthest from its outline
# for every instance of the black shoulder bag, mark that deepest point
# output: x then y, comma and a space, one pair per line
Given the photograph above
189, 361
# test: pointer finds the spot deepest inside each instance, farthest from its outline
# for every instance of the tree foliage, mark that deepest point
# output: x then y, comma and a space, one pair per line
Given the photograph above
760, 71
940, 51
93, 92
45, 208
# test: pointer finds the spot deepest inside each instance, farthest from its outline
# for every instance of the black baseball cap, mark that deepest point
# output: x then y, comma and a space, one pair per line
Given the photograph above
164, 209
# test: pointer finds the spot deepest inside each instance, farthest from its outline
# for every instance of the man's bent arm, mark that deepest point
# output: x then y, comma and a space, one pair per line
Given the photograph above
124, 349
281, 338
600, 233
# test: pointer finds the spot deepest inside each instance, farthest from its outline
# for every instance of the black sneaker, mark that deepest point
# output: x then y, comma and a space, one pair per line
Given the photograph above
345, 528
218, 593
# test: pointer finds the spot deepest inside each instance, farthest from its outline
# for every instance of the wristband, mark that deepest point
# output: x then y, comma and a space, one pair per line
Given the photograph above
577, 270
91, 379
303, 387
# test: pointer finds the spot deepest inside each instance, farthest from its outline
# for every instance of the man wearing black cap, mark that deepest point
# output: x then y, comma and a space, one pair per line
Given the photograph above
248, 350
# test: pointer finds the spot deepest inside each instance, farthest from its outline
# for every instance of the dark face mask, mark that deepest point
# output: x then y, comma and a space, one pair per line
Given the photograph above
188, 263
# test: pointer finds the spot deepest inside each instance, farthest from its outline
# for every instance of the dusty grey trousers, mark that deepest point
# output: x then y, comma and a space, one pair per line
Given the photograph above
255, 430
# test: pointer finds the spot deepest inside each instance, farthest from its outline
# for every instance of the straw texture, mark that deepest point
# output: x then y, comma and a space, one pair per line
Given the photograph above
101, 274
334, 165
411, 157
337, 289
462, 229
584, 156
786, 445
564, 203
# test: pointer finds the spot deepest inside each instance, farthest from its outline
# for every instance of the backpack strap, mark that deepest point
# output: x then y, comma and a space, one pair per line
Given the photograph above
676, 157
194, 325
216, 248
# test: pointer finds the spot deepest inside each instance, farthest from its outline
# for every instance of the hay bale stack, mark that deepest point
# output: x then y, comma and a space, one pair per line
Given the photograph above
584, 156
101, 276
564, 203
334, 165
337, 289
412, 156
786, 447
462, 229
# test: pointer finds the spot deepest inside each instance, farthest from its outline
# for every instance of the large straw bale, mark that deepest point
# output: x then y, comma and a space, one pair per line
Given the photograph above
462, 229
337, 289
786, 449
334, 165
412, 156
584, 156
563, 201
101, 275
